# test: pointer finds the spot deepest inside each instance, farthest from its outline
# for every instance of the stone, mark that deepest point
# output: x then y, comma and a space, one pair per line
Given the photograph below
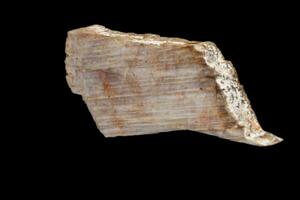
137, 84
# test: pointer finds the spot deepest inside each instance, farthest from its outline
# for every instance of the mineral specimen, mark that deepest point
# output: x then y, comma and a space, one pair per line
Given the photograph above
144, 84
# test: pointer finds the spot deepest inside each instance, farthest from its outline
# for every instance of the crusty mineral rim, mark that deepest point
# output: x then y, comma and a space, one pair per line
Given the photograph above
247, 129
238, 107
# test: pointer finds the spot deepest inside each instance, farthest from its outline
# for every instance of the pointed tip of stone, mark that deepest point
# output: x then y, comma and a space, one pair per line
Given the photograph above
267, 139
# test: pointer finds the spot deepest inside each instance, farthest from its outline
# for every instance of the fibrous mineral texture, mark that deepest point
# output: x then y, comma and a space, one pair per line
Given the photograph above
143, 84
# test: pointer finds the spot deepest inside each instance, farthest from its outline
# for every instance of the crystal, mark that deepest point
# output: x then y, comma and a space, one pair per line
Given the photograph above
136, 84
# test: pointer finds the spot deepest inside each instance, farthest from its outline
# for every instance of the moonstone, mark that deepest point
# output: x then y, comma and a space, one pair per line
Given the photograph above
143, 84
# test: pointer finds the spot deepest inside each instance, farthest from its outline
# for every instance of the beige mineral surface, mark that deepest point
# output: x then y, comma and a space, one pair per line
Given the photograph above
143, 84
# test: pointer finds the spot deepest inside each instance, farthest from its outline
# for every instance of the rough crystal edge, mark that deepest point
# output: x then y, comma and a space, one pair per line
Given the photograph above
239, 106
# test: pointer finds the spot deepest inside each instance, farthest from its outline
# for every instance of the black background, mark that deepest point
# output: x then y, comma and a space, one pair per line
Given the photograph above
258, 39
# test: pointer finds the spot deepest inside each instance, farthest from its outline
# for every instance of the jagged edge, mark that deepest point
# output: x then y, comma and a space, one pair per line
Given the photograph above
238, 104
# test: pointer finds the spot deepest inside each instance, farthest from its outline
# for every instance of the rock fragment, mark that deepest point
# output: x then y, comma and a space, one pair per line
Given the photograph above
144, 84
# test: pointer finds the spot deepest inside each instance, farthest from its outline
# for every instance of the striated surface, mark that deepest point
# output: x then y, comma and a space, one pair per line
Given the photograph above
143, 84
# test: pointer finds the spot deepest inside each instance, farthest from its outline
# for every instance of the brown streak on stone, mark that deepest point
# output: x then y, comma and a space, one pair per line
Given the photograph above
110, 93
135, 87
